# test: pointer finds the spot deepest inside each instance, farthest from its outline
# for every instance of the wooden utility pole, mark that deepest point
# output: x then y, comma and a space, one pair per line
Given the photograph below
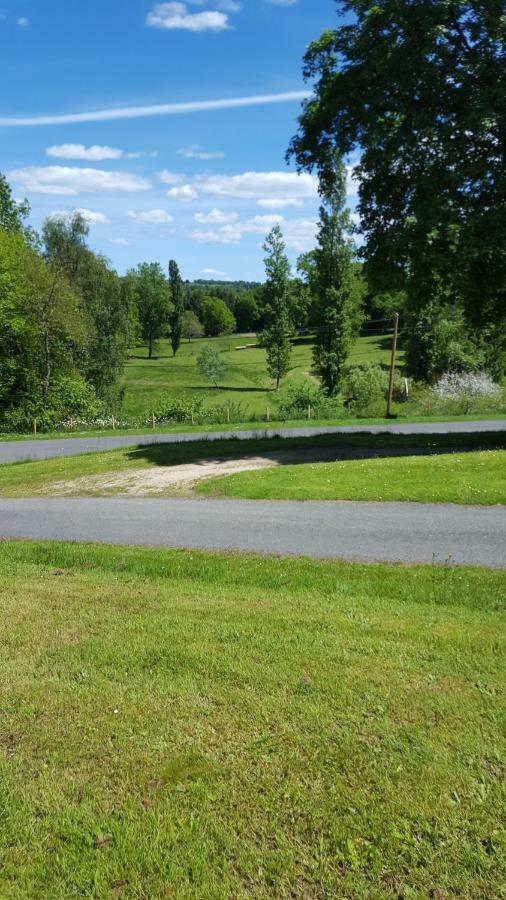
392, 366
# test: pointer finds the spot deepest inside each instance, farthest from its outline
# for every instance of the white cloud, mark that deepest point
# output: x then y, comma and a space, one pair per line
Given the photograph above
69, 181
139, 154
120, 241
79, 151
216, 217
265, 186
151, 217
23, 22
298, 234
175, 15
96, 153
213, 273
160, 109
195, 152
170, 177
185, 193
278, 202
92, 217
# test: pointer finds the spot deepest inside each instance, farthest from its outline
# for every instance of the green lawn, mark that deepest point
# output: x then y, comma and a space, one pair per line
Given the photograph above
38, 477
247, 381
478, 477
189, 725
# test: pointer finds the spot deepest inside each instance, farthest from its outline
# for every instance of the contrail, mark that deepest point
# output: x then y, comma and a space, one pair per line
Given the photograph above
162, 109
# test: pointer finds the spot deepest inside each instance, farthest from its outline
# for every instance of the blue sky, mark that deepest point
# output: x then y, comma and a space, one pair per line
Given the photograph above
200, 185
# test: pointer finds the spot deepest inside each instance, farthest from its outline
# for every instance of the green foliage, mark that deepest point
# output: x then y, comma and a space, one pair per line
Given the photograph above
12, 214
247, 312
417, 89
217, 317
178, 303
298, 397
439, 341
178, 409
42, 330
191, 327
211, 364
153, 302
277, 334
365, 389
102, 297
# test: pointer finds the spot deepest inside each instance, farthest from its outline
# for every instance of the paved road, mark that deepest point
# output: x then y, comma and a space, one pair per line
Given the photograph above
361, 531
17, 451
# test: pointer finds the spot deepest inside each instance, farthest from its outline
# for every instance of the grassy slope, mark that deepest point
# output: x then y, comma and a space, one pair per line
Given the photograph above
247, 381
27, 478
197, 726
456, 478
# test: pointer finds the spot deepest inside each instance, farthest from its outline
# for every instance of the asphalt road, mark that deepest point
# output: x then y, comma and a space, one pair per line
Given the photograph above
409, 532
17, 451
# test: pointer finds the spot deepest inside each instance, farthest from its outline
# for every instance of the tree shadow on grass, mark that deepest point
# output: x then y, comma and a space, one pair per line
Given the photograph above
324, 448
221, 387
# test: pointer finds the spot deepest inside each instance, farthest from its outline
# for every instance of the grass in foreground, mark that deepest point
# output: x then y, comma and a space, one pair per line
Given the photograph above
39, 477
196, 726
474, 478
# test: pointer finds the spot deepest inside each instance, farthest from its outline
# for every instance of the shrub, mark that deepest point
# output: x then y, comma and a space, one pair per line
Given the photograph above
365, 390
459, 385
297, 396
177, 409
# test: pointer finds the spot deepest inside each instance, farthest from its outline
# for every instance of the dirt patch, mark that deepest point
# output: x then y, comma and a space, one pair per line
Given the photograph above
158, 480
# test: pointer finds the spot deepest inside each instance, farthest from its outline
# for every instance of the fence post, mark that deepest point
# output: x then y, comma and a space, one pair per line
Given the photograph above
309, 410
113, 424
228, 414
153, 421
392, 366
268, 413
35, 426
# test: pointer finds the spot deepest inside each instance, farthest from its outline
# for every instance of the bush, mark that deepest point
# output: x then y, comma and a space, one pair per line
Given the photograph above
294, 401
69, 398
177, 409
366, 388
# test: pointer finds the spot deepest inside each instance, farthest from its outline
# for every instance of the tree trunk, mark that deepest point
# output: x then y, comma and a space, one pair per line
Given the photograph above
47, 373
150, 347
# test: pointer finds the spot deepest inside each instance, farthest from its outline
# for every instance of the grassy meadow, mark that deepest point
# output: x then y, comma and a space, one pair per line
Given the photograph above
247, 382
39, 477
474, 478
189, 725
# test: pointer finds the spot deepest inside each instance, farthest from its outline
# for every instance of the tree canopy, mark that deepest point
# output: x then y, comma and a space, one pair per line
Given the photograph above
416, 90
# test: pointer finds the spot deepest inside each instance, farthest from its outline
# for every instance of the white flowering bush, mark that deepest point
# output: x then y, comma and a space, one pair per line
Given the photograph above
459, 385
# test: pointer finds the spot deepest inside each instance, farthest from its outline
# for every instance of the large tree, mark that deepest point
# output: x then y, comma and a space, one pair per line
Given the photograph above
12, 213
332, 279
102, 299
417, 89
153, 305
178, 305
277, 334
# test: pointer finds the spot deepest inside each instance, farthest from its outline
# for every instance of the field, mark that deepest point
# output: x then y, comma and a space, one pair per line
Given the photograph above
247, 381
192, 725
